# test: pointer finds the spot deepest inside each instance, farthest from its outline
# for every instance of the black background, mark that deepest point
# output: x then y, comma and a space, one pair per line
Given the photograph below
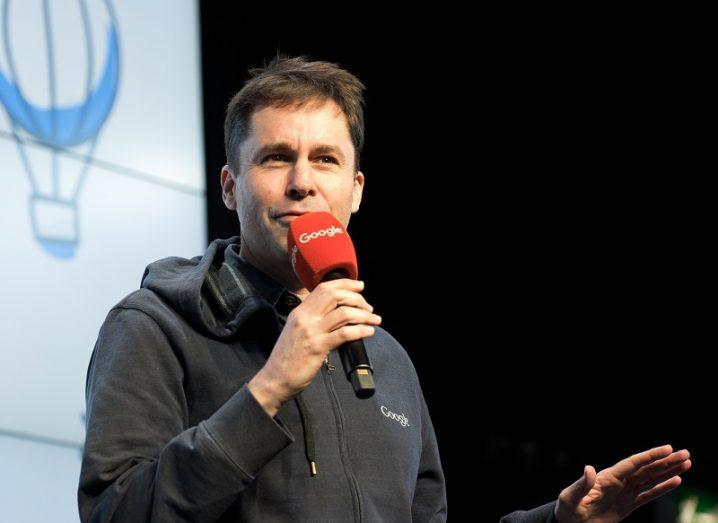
529, 230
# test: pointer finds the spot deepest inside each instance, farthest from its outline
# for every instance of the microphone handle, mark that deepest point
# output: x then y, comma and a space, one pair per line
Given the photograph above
355, 361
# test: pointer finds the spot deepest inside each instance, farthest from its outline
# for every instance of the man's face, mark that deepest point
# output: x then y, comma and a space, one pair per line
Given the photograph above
296, 158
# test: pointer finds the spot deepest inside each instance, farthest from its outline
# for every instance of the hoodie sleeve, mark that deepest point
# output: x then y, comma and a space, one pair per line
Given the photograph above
429, 503
141, 460
542, 514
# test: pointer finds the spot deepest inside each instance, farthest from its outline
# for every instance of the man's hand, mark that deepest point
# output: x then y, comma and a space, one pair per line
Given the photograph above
615, 492
332, 314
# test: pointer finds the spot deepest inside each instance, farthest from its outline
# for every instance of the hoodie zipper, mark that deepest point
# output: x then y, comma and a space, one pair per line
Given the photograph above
343, 447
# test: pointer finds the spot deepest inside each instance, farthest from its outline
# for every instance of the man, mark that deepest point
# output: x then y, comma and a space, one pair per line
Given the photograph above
214, 392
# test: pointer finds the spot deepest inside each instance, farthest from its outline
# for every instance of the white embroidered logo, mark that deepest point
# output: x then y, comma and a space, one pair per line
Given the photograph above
401, 418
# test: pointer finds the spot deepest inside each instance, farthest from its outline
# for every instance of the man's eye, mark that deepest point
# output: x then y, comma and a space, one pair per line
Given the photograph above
274, 158
328, 159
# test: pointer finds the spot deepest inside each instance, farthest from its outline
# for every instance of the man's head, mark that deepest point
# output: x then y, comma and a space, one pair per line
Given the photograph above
292, 81
293, 136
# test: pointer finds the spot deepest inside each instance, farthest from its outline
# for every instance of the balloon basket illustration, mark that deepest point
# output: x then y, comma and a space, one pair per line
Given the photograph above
55, 224
50, 111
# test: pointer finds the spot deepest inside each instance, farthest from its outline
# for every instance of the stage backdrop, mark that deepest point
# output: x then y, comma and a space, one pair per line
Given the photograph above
101, 169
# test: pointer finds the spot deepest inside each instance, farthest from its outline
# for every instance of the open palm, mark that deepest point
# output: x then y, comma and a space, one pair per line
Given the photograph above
615, 492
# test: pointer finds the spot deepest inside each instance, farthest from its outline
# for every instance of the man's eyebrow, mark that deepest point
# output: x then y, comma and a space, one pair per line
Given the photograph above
280, 147
285, 148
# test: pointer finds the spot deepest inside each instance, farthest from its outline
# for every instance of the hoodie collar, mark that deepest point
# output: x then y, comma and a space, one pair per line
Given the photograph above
253, 280
216, 292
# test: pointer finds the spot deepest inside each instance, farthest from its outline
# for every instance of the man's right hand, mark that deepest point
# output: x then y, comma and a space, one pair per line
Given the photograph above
332, 314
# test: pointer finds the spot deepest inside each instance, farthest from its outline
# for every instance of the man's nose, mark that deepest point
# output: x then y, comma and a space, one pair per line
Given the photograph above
301, 179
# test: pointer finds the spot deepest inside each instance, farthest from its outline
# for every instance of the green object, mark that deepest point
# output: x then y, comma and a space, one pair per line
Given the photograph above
697, 506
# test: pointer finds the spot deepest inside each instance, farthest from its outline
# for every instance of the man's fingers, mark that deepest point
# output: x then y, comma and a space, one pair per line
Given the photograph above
573, 494
345, 315
661, 466
630, 465
665, 475
330, 298
349, 333
657, 491
342, 283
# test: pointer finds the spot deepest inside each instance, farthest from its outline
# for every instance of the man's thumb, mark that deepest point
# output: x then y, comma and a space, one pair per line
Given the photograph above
575, 492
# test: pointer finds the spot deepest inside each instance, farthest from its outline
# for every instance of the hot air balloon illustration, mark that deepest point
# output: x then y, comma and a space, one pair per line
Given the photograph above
58, 94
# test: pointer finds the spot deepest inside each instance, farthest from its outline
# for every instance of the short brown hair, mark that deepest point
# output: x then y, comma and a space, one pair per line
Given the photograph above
287, 81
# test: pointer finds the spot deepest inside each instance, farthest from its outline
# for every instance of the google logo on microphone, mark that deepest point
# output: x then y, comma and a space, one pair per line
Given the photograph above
331, 231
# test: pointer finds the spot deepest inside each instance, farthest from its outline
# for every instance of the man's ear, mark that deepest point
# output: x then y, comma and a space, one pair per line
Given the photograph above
357, 191
228, 181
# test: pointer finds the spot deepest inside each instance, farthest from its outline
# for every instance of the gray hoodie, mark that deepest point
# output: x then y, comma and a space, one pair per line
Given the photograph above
173, 433
542, 514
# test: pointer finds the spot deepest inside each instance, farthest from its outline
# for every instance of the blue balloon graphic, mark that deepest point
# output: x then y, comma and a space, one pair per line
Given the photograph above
59, 128
74, 124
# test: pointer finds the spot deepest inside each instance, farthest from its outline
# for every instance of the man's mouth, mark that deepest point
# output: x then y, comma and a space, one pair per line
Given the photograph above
287, 218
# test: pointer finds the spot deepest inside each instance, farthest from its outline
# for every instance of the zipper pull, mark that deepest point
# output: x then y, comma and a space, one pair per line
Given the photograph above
328, 365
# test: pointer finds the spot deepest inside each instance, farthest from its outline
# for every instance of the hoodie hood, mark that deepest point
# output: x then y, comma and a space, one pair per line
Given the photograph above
215, 299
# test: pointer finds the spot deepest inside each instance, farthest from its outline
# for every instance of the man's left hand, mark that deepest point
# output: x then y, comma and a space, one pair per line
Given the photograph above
615, 492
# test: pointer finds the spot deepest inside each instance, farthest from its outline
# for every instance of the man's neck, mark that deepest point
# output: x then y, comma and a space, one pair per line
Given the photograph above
291, 283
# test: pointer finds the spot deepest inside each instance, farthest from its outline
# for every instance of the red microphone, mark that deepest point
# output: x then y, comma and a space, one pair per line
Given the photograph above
320, 249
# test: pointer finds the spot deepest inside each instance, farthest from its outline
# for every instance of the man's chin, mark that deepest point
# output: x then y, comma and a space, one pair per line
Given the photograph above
280, 242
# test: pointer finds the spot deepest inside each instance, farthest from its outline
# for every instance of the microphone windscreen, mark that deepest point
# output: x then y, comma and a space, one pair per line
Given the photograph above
318, 243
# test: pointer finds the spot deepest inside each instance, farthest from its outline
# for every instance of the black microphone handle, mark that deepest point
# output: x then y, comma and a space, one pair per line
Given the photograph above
355, 361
